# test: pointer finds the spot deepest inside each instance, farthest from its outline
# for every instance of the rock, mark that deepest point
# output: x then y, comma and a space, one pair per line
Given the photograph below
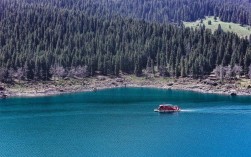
214, 84
249, 87
94, 89
61, 90
2, 88
195, 86
114, 83
233, 94
209, 82
170, 84
119, 80
101, 78
3, 96
66, 78
229, 86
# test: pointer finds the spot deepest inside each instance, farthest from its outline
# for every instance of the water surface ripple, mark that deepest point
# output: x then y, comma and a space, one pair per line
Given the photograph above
121, 122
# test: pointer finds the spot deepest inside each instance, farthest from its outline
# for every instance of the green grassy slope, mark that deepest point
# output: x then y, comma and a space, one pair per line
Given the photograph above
242, 31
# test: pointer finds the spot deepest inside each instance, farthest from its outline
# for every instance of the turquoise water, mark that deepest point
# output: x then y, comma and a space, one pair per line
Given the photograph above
121, 122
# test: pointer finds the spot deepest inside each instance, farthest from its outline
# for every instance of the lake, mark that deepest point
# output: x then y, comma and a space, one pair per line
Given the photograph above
121, 122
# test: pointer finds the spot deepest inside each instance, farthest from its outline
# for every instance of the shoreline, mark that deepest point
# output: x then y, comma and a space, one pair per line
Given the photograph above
51, 88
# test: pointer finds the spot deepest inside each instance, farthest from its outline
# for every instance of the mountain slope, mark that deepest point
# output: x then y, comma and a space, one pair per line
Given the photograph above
37, 42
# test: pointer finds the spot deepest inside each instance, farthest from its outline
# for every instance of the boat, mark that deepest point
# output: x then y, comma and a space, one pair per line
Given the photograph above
167, 108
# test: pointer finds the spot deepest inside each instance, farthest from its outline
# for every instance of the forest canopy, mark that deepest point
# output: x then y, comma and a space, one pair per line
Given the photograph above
39, 39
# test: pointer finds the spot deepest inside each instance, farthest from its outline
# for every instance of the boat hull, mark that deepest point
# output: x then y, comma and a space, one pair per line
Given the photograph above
165, 111
167, 108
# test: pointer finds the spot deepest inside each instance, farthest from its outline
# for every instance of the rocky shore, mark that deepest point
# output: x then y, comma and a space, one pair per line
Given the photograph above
31, 89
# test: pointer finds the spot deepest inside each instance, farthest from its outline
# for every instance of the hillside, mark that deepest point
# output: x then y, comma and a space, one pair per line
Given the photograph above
210, 23
43, 40
174, 11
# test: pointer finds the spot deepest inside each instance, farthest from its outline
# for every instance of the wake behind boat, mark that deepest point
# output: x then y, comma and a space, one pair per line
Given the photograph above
167, 108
